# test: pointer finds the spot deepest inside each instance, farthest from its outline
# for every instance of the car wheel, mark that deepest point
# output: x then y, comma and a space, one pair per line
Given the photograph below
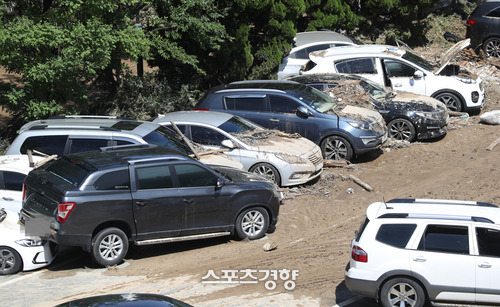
10, 261
402, 292
109, 246
492, 47
252, 223
401, 129
268, 171
336, 148
451, 101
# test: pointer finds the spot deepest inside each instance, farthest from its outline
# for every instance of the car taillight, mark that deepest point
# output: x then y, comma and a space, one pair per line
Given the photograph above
63, 211
358, 254
201, 109
24, 191
470, 22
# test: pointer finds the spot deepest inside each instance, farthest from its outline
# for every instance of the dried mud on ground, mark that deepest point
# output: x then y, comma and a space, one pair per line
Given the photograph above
313, 234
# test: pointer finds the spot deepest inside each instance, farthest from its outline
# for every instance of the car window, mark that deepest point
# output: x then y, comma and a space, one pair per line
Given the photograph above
396, 235
357, 66
11, 180
121, 142
362, 228
66, 173
494, 13
86, 144
280, 104
50, 144
162, 136
399, 69
190, 175
239, 125
206, 136
256, 104
488, 241
118, 180
444, 238
153, 177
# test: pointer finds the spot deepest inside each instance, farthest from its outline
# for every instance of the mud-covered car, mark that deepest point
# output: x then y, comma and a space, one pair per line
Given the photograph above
483, 28
145, 194
287, 159
18, 251
408, 116
341, 132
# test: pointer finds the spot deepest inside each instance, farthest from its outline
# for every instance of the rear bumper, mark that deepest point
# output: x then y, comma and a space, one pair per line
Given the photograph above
362, 287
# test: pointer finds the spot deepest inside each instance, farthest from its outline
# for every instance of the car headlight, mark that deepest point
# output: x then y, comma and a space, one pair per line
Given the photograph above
358, 124
290, 159
465, 80
29, 242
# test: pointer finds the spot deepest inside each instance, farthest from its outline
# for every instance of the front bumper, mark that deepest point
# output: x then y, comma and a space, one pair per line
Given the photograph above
36, 257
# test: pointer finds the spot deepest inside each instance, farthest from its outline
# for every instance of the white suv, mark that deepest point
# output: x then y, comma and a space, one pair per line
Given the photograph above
408, 251
404, 71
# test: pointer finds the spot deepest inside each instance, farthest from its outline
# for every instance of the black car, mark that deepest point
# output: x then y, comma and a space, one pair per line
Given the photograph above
296, 108
126, 300
483, 28
408, 116
146, 194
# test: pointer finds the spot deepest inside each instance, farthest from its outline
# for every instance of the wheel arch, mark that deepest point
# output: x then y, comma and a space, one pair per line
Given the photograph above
454, 92
18, 253
403, 274
342, 135
250, 206
267, 162
123, 226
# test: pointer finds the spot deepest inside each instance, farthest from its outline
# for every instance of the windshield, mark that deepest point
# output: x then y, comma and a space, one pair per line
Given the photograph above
236, 125
417, 60
316, 99
165, 137
376, 91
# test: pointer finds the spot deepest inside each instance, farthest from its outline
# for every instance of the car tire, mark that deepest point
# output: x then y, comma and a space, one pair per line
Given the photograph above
268, 171
401, 129
402, 292
491, 47
10, 261
109, 246
252, 223
451, 101
336, 148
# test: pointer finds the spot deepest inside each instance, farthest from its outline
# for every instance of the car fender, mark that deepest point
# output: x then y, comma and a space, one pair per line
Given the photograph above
454, 92
406, 274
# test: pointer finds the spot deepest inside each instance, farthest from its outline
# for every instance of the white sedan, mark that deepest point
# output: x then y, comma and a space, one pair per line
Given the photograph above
18, 250
283, 158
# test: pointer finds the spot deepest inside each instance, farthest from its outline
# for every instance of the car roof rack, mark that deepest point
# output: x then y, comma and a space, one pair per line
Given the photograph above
440, 202
127, 147
89, 117
436, 216
43, 127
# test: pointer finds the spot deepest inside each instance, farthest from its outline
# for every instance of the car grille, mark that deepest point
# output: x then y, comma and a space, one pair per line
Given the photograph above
316, 157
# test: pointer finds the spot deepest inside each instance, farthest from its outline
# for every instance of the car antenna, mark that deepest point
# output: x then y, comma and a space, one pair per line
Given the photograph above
387, 207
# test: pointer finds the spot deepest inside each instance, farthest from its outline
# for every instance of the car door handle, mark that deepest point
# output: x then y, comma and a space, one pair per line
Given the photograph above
419, 259
398, 85
274, 120
8, 198
485, 265
141, 203
188, 201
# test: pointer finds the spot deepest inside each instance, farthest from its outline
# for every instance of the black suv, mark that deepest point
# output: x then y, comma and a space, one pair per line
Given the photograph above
296, 108
483, 28
101, 200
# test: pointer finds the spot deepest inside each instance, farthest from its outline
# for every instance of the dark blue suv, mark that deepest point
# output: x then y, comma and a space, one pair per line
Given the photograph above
296, 108
483, 28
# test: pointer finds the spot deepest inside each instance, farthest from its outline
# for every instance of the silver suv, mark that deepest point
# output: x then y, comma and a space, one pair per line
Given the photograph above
73, 134
408, 251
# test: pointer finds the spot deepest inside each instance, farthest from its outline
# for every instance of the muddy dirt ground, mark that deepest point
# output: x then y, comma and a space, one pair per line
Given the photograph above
313, 234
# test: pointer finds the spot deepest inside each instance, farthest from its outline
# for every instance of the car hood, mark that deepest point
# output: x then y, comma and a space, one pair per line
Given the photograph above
415, 102
277, 142
452, 53
237, 175
220, 159
364, 114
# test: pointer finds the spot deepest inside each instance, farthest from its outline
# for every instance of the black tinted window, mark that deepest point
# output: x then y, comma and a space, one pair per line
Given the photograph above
245, 103
357, 66
165, 137
50, 145
12, 181
153, 177
82, 145
362, 228
396, 235
121, 142
206, 136
190, 175
443, 238
280, 104
398, 69
66, 172
488, 241
118, 180
494, 13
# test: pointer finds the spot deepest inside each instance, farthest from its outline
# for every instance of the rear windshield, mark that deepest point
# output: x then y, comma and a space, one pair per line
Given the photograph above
66, 174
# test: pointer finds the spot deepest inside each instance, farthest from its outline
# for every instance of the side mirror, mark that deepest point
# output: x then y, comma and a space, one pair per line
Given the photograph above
303, 112
418, 74
219, 184
228, 144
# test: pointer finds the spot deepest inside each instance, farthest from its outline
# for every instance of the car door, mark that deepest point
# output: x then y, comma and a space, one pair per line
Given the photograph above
285, 118
158, 210
367, 67
443, 259
207, 207
249, 106
11, 185
402, 77
488, 264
